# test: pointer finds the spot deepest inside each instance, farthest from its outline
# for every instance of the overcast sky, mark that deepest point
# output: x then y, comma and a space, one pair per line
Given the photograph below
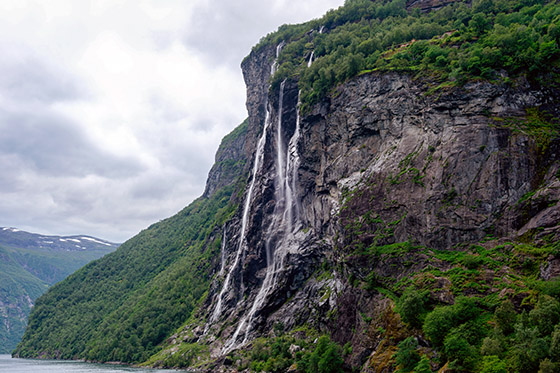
111, 111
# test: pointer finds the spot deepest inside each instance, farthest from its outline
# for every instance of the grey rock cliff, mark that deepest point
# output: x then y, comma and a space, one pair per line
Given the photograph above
383, 161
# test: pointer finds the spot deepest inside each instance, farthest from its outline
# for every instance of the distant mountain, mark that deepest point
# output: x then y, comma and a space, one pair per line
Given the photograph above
29, 264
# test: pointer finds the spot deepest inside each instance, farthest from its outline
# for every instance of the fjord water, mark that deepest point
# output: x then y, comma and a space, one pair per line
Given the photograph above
9, 365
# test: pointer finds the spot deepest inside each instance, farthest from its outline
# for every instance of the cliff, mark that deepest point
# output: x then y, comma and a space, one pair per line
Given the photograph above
383, 163
403, 213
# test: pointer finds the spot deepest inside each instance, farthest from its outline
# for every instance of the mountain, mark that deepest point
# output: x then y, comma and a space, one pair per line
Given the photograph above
391, 202
29, 264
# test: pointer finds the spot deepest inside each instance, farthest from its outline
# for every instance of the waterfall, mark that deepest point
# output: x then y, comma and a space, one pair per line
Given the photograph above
310, 59
259, 155
274, 66
281, 229
257, 162
292, 207
223, 251
280, 143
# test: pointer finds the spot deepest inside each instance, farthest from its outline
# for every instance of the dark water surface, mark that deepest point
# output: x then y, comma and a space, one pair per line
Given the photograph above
9, 365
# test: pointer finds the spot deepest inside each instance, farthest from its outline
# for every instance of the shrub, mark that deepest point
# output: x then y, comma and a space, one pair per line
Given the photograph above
493, 364
505, 317
411, 307
545, 315
423, 366
459, 352
325, 358
407, 357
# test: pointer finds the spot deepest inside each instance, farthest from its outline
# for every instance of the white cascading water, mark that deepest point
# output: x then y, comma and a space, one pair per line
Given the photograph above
257, 162
292, 207
283, 224
223, 252
256, 166
310, 59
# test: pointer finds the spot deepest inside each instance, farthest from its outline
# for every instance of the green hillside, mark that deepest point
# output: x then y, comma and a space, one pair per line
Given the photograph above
121, 307
26, 271
17, 290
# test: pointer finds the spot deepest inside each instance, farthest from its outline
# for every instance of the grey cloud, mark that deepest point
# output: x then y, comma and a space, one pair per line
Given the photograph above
51, 144
154, 188
226, 30
25, 77
165, 110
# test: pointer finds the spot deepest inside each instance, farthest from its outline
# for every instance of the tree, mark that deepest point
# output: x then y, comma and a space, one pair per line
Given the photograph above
505, 317
407, 357
438, 323
459, 352
423, 365
545, 315
493, 364
331, 361
411, 307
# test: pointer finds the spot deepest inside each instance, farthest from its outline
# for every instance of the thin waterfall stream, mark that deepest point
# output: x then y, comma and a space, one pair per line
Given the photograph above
282, 227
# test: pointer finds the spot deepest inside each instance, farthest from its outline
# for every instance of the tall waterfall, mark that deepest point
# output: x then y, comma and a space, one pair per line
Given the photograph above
240, 246
257, 163
283, 225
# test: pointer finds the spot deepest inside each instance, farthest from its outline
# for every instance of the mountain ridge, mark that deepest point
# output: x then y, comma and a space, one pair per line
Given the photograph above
30, 263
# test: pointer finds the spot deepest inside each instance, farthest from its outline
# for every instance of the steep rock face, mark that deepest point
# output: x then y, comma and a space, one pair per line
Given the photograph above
443, 165
383, 162
229, 162
428, 5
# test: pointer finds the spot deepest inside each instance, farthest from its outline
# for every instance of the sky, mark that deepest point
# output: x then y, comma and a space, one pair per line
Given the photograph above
111, 111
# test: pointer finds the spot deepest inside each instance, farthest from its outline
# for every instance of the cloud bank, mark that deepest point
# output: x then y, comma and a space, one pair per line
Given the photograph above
111, 111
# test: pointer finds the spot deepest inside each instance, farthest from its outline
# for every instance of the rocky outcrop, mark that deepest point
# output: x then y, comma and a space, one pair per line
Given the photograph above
428, 5
386, 160
440, 168
229, 162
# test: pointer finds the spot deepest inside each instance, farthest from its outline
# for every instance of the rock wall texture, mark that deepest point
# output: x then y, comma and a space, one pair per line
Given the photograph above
387, 159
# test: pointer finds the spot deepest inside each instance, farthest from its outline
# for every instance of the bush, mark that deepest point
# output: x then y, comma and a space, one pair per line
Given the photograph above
459, 352
505, 317
492, 346
407, 357
325, 358
493, 364
545, 315
423, 366
528, 349
411, 307
438, 323
547, 366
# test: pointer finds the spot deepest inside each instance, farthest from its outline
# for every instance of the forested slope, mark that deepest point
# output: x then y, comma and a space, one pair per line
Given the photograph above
29, 264
122, 306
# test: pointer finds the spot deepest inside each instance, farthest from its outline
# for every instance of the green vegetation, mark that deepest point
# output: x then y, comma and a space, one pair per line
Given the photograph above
479, 307
121, 307
454, 44
302, 350
16, 287
25, 274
